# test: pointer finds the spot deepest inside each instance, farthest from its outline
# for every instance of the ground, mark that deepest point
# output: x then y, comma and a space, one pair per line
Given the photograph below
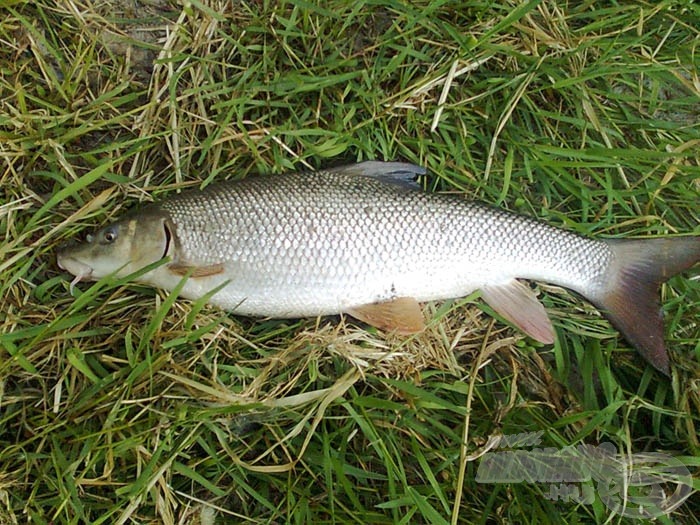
123, 404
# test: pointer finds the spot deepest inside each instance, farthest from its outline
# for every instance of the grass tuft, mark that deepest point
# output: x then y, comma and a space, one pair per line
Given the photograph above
124, 405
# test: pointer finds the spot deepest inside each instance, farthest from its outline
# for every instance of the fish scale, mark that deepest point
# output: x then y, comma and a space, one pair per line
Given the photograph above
365, 240
323, 244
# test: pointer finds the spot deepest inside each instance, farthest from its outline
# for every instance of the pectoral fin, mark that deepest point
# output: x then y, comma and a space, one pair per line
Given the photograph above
402, 315
196, 271
518, 304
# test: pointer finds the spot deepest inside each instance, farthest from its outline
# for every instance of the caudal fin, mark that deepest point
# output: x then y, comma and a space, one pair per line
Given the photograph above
631, 297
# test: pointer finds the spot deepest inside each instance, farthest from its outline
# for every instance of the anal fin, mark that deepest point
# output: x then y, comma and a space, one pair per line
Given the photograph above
402, 315
518, 304
196, 271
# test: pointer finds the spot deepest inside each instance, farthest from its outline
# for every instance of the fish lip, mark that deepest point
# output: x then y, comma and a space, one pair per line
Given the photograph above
74, 266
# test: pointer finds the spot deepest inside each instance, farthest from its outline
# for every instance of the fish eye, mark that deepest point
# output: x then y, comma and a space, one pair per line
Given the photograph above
109, 235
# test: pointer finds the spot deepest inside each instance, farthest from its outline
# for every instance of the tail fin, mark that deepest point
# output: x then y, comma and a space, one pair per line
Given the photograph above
631, 297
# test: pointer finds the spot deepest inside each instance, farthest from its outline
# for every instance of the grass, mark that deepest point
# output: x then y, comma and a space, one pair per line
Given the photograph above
124, 405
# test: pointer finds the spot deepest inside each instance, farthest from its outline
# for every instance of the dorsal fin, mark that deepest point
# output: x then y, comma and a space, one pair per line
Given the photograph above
401, 173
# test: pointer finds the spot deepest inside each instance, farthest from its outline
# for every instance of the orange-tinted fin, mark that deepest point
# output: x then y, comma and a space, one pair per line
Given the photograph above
402, 315
631, 300
517, 303
196, 271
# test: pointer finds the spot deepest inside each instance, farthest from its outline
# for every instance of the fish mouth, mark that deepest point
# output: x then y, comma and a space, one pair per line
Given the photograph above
82, 271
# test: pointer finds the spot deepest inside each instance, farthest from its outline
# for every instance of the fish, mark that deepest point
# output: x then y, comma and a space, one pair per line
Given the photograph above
365, 240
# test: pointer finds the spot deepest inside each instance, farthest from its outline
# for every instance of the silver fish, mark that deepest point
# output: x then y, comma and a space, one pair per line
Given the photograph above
364, 240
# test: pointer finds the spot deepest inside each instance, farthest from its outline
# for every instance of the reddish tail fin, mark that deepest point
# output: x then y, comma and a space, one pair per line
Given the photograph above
631, 297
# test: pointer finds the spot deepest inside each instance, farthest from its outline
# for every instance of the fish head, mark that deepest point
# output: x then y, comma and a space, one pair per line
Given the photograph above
120, 248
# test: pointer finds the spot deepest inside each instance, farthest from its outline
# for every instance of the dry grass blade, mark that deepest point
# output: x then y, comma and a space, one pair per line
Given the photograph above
121, 404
